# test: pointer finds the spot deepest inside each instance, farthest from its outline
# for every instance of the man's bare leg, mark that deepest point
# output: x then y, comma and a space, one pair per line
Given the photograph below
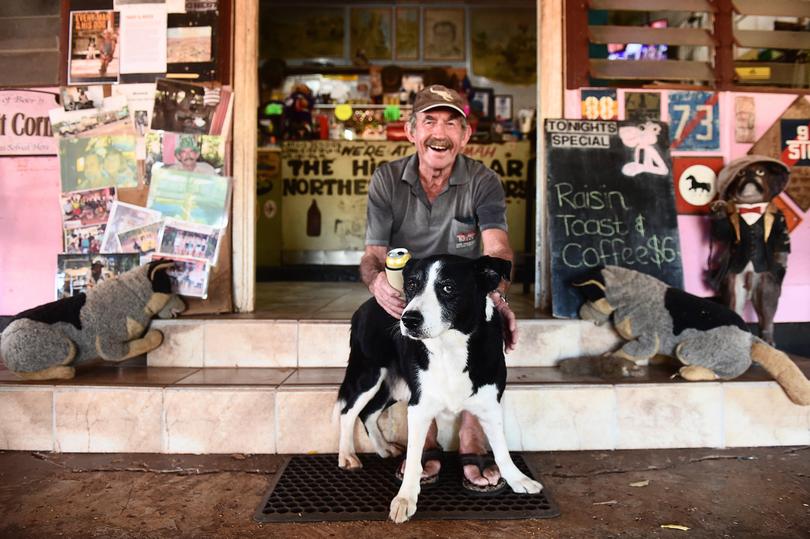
471, 440
431, 467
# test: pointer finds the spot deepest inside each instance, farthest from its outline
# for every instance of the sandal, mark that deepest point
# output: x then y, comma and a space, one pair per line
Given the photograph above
437, 453
482, 462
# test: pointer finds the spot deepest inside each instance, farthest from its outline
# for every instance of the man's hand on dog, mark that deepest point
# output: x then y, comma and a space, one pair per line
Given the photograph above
510, 329
387, 296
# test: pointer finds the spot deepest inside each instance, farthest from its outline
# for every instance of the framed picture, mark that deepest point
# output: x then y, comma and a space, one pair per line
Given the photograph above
503, 107
407, 33
371, 30
444, 34
481, 102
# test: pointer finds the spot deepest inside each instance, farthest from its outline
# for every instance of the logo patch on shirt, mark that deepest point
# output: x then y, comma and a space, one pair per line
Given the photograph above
465, 239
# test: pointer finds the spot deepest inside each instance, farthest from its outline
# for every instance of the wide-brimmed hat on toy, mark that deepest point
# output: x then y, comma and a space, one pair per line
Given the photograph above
731, 170
438, 96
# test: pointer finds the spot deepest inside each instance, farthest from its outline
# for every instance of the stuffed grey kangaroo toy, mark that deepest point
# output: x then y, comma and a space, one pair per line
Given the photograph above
107, 322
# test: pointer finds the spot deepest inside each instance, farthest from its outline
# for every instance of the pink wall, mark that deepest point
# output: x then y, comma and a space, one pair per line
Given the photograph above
794, 305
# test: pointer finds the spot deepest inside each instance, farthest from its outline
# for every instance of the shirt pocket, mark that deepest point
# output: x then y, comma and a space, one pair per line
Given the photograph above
464, 236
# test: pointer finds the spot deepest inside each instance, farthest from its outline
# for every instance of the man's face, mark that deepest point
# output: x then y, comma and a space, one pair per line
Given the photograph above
188, 158
439, 137
112, 163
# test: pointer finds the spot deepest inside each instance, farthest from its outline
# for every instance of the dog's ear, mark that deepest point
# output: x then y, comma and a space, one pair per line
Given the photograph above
592, 285
777, 178
490, 270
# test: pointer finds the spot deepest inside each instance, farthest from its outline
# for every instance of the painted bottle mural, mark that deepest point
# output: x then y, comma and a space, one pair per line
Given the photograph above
313, 220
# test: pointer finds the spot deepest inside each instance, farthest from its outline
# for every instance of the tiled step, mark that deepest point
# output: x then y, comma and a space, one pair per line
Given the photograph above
246, 341
276, 410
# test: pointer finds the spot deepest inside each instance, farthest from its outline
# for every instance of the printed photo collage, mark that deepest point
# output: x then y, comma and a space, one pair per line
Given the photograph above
179, 159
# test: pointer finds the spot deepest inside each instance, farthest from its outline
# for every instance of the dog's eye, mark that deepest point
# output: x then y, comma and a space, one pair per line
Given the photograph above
760, 172
448, 289
411, 285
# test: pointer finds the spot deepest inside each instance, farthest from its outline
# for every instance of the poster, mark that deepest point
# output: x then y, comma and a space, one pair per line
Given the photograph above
695, 183
610, 202
599, 104
24, 125
642, 106
694, 119
325, 189
94, 51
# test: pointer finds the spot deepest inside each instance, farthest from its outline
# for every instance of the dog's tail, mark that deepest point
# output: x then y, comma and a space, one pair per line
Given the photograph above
784, 371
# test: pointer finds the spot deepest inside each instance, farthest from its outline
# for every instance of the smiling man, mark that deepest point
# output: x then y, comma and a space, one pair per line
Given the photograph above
439, 201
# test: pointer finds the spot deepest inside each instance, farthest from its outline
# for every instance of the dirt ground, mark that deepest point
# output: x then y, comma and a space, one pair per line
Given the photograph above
763, 492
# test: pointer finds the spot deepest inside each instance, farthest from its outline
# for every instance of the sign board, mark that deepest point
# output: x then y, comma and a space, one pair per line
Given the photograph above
610, 202
324, 189
695, 120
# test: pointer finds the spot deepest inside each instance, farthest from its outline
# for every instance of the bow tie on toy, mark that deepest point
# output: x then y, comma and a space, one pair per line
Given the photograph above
755, 209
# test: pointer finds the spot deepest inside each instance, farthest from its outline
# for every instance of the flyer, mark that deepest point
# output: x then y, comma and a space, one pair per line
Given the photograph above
94, 51
143, 38
24, 125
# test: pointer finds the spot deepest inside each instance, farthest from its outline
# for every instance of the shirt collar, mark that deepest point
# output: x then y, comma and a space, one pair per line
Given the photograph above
457, 177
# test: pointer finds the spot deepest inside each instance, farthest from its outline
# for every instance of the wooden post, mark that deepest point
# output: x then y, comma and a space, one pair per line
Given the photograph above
246, 103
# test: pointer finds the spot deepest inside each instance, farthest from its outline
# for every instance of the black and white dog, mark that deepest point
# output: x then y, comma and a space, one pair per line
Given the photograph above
445, 355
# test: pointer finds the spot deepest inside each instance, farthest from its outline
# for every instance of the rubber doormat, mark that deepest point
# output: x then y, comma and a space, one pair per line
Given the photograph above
311, 488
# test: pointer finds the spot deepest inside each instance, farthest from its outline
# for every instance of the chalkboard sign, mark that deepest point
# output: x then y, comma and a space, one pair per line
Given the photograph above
610, 202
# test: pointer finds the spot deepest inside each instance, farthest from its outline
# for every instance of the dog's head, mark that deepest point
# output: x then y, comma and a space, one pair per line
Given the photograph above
165, 303
596, 308
449, 292
752, 179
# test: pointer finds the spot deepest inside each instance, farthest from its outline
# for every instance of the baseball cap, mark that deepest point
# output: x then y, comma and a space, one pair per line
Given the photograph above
438, 96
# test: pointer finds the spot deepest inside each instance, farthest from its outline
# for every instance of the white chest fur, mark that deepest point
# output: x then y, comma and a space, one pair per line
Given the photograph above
445, 380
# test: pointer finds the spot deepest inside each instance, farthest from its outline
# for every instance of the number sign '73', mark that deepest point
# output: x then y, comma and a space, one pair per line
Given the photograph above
694, 120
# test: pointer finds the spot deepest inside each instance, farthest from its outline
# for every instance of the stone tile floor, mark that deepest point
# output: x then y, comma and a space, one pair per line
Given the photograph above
736, 493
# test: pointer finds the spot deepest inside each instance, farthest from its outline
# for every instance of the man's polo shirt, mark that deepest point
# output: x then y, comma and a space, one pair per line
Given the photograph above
399, 214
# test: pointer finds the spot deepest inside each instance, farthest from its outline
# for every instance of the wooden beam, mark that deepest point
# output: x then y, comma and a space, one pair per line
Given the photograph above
773, 8
246, 102
772, 39
640, 34
652, 5
550, 59
576, 42
651, 70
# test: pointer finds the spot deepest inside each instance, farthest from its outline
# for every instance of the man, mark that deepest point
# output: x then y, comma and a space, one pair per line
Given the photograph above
435, 202
187, 153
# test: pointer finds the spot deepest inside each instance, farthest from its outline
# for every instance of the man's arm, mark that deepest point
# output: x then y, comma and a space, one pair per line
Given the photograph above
372, 273
496, 243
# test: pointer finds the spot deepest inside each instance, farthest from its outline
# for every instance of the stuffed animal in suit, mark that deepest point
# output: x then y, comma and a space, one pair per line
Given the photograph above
110, 322
710, 340
754, 236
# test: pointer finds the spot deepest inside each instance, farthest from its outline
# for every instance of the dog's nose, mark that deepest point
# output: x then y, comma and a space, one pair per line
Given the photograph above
412, 319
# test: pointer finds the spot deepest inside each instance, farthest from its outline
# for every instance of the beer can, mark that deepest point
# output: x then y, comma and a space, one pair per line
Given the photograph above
394, 262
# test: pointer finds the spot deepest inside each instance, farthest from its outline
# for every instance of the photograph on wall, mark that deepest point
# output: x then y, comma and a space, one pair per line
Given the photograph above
76, 274
745, 119
370, 33
81, 97
107, 161
201, 5
182, 107
193, 153
94, 55
407, 33
123, 217
502, 105
504, 44
642, 106
189, 240
84, 208
694, 119
444, 36
192, 39
189, 276
189, 196
112, 118
295, 33
142, 239
481, 102
84, 240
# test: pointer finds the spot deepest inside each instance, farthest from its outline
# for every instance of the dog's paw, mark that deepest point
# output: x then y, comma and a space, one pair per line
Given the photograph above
402, 509
349, 462
524, 485
390, 450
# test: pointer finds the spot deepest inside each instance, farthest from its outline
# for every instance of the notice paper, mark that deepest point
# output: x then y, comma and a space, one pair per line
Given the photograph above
143, 38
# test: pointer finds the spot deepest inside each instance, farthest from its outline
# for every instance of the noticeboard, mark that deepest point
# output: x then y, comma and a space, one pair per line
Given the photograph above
610, 202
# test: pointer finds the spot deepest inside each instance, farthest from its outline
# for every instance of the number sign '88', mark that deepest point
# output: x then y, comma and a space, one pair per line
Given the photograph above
694, 119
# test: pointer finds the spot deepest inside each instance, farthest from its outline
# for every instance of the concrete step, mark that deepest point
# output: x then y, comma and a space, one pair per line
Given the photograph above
289, 410
248, 341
